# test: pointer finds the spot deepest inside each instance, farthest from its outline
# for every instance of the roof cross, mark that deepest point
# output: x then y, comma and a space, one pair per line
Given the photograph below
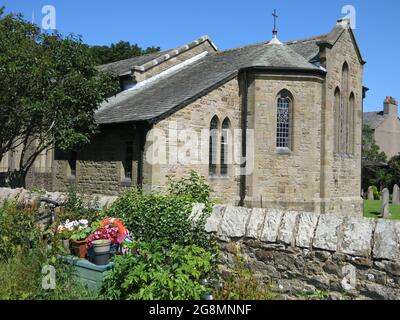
275, 31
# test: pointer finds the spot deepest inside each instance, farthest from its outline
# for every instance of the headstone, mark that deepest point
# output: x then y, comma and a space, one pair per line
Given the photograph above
371, 193
385, 204
385, 212
396, 194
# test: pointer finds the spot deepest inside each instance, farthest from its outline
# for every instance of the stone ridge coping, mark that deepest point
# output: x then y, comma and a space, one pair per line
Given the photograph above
173, 53
358, 237
21, 195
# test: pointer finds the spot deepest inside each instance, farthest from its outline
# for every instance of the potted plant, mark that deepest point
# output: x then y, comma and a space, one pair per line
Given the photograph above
100, 243
78, 238
64, 231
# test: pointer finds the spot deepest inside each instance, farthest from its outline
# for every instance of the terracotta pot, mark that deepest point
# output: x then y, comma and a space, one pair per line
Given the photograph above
79, 248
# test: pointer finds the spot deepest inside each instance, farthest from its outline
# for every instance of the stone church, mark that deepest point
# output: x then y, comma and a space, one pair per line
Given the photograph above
297, 105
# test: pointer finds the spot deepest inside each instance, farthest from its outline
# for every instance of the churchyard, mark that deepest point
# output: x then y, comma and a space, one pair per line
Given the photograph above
376, 203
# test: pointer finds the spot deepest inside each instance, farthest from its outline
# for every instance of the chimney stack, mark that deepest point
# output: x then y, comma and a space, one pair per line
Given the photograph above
390, 106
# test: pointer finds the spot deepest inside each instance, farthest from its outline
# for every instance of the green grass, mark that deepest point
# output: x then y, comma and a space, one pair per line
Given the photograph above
372, 209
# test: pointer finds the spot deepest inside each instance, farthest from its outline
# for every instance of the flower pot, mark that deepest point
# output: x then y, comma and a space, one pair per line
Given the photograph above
65, 245
101, 249
79, 248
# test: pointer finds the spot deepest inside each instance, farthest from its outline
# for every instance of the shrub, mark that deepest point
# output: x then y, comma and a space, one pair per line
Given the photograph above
377, 194
156, 271
166, 217
21, 279
18, 230
241, 284
79, 207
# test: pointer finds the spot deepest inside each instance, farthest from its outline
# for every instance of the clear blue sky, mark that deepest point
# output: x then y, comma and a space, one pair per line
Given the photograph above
232, 23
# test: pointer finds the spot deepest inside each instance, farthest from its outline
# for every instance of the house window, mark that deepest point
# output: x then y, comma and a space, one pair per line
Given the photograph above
128, 160
72, 164
212, 169
224, 147
284, 106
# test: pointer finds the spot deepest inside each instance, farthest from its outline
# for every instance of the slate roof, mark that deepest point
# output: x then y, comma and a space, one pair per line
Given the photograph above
169, 93
373, 119
308, 48
125, 66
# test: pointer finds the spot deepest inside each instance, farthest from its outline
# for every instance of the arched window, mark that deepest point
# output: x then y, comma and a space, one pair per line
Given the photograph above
225, 137
337, 117
350, 116
283, 126
212, 163
344, 115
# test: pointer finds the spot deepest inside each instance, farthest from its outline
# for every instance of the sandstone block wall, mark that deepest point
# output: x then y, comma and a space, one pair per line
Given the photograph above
290, 180
300, 252
23, 196
223, 102
341, 183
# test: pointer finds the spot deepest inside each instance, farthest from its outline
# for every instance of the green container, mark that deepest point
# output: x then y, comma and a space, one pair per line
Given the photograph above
88, 273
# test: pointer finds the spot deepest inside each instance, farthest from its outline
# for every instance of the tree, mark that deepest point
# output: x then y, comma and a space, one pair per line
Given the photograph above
374, 161
119, 51
49, 91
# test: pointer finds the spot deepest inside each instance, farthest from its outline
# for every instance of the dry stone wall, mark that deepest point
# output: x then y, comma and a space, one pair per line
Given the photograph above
304, 253
23, 196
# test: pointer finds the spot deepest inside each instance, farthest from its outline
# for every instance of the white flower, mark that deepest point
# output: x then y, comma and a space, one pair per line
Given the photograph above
83, 221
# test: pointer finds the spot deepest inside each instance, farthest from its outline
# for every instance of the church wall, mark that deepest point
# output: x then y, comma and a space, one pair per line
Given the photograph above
99, 166
341, 173
289, 180
222, 102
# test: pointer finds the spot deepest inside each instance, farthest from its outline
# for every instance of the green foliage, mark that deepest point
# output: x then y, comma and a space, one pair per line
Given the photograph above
79, 206
21, 278
119, 51
242, 285
49, 91
18, 230
156, 271
166, 217
375, 192
23, 253
374, 161
192, 185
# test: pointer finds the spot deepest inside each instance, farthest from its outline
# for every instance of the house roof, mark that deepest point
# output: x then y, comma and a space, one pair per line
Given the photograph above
373, 119
308, 48
158, 98
145, 62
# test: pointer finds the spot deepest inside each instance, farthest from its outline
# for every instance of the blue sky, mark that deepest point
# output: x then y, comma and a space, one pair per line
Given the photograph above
233, 23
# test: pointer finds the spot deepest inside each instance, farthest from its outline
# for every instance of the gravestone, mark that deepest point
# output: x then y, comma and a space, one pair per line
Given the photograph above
371, 193
385, 204
396, 194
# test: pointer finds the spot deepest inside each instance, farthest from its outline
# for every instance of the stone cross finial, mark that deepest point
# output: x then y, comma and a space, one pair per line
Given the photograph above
275, 31
275, 39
